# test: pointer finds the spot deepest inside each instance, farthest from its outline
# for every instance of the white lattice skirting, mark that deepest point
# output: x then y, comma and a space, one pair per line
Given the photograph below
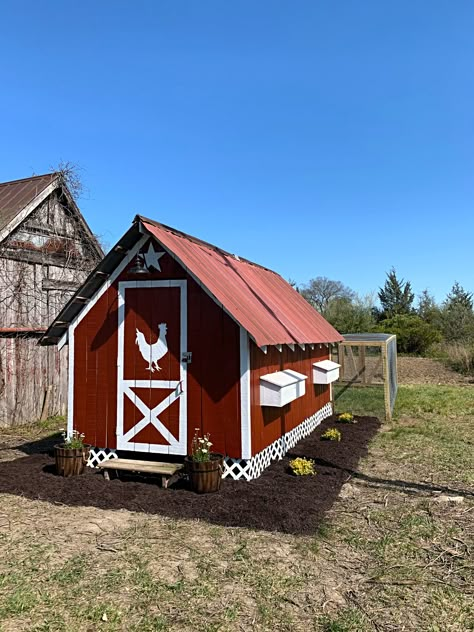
246, 469
99, 455
249, 469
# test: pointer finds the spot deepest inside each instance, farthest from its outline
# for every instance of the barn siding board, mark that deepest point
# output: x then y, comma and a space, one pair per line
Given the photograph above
195, 368
95, 351
26, 371
270, 423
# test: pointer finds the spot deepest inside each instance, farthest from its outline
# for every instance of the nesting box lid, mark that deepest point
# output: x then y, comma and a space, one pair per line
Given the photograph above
283, 378
326, 365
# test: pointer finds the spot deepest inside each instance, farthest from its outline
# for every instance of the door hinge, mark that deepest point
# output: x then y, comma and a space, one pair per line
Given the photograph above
187, 357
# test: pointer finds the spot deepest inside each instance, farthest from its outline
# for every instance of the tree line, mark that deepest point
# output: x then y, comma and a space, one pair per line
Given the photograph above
422, 326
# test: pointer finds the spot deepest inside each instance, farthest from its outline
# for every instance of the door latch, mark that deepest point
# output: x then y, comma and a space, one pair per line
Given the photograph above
187, 357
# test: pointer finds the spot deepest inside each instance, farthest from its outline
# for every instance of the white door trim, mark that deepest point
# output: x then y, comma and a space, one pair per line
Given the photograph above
177, 445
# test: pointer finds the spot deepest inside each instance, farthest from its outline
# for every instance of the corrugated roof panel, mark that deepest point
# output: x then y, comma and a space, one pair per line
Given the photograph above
260, 300
15, 195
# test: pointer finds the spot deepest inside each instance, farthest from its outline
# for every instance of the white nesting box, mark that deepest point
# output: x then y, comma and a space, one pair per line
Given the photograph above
281, 388
325, 372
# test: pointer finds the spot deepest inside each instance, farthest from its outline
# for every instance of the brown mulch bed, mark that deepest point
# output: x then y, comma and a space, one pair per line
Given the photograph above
277, 501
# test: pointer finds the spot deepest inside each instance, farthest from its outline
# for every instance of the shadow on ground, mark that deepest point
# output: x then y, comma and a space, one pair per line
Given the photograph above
277, 501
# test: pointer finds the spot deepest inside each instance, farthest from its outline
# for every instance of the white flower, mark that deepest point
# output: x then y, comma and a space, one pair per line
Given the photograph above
203, 450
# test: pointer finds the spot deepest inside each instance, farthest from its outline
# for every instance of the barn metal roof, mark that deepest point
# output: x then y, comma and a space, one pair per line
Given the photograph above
260, 300
15, 195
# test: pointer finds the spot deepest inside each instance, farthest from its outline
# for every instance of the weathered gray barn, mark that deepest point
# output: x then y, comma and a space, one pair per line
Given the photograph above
46, 252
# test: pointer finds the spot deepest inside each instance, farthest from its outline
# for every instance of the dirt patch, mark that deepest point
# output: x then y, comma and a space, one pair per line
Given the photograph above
428, 371
277, 501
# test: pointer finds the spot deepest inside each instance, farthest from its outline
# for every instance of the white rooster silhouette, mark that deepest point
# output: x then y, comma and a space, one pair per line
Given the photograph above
153, 353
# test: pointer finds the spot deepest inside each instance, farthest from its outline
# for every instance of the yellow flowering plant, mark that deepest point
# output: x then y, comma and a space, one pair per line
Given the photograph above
346, 418
302, 467
331, 434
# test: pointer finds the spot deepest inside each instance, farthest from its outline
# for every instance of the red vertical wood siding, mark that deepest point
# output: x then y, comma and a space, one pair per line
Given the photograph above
213, 375
95, 372
270, 423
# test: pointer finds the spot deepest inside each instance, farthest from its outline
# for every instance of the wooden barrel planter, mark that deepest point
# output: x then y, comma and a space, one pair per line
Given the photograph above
70, 461
205, 476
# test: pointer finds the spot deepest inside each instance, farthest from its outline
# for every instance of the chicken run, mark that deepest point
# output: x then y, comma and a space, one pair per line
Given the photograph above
170, 333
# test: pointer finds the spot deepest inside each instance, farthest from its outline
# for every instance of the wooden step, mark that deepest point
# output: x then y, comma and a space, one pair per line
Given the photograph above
150, 467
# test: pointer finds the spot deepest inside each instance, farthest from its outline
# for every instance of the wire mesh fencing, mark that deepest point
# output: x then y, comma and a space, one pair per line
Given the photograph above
367, 382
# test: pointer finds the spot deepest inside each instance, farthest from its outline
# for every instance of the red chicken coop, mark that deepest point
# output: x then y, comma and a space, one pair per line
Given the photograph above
170, 334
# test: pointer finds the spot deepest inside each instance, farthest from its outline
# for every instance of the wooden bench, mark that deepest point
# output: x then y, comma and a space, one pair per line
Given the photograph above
167, 470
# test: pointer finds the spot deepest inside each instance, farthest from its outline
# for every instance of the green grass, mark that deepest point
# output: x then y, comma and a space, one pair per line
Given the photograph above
421, 400
413, 400
360, 400
386, 558
47, 427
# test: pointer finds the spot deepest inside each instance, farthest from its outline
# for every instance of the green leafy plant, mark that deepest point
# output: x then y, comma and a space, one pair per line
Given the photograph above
302, 467
200, 447
331, 434
346, 418
74, 442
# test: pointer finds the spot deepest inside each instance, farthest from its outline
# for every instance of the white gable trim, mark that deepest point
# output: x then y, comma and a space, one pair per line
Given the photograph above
29, 208
63, 340
132, 253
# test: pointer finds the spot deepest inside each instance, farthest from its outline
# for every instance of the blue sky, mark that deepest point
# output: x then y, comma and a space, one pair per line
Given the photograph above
314, 137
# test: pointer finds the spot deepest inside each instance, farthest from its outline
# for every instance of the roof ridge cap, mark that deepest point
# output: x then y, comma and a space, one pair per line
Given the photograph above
201, 242
44, 175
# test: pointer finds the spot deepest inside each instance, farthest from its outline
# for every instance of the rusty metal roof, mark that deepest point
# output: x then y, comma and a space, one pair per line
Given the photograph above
260, 300
15, 195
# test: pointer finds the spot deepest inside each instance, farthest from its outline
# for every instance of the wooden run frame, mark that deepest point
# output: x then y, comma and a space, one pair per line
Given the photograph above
360, 369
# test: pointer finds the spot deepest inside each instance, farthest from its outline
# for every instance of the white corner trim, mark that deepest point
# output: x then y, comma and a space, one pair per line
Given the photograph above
291, 346
264, 349
70, 394
302, 346
245, 419
279, 347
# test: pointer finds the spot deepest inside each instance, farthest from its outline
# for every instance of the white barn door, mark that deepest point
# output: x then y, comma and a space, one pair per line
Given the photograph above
151, 367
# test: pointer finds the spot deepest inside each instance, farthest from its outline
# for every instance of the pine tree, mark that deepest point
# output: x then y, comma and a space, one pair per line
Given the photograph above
459, 297
396, 296
428, 310
458, 315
